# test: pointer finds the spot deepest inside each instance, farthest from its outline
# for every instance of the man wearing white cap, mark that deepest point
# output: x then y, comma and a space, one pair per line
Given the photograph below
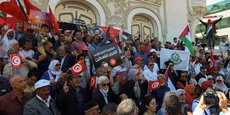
41, 104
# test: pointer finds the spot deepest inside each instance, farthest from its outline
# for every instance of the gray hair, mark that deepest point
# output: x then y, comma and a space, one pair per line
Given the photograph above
12, 43
101, 79
63, 47
127, 107
132, 73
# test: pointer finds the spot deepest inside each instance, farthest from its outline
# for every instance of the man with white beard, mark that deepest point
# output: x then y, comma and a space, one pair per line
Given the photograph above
102, 95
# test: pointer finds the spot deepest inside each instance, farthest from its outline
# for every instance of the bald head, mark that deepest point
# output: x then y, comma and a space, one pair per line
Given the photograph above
18, 82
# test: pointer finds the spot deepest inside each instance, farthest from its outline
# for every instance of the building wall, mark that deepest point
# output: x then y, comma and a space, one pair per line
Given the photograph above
164, 19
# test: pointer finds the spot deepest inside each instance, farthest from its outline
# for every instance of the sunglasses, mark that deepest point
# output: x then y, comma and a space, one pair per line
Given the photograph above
57, 64
219, 81
105, 84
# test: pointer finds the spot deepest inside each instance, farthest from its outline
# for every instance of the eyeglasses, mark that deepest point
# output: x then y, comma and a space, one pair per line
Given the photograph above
105, 84
219, 80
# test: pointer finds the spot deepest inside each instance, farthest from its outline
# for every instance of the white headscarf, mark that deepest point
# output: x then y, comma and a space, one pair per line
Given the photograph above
51, 67
6, 41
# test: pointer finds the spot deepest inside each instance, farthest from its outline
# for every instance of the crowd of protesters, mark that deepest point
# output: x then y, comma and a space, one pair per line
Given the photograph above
45, 86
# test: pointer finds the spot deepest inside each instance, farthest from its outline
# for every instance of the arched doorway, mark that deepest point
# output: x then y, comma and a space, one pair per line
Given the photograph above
143, 26
87, 10
150, 23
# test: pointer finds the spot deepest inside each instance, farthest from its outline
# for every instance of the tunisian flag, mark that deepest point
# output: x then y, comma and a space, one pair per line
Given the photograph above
212, 66
154, 84
29, 6
15, 60
93, 82
78, 68
53, 22
13, 9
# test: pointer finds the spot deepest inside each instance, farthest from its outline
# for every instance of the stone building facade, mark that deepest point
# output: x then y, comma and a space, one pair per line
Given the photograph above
164, 19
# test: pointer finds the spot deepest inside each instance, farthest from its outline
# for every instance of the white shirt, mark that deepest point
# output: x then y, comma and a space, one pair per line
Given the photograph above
149, 75
199, 111
222, 44
197, 68
25, 54
47, 103
155, 67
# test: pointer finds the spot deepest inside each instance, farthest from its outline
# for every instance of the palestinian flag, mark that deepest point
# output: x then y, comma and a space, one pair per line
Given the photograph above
1, 14
186, 38
14, 8
2, 20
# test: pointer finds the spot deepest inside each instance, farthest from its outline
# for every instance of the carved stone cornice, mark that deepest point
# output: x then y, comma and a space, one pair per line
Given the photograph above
41, 4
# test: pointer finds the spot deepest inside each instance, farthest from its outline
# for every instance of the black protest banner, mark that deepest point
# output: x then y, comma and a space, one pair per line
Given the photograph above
109, 54
80, 25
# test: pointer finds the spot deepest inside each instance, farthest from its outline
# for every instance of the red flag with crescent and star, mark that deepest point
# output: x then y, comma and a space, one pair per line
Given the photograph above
93, 82
212, 66
154, 84
15, 60
78, 68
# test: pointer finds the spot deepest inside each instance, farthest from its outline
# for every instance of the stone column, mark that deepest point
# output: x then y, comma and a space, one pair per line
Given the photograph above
196, 9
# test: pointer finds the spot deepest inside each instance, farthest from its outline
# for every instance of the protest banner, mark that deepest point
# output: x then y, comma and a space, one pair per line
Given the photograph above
179, 58
108, 54
37, 18
80, 25
93, 29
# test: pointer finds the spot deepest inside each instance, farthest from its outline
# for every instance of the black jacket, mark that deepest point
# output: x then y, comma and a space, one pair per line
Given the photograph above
68, 103
69, 61
100, 98
199, 76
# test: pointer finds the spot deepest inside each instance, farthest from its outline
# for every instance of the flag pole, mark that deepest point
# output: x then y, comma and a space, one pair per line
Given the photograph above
167, 72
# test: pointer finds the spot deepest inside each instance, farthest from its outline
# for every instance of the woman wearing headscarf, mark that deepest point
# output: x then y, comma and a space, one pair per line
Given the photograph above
140, 82
220, 84
7, 39
53, 74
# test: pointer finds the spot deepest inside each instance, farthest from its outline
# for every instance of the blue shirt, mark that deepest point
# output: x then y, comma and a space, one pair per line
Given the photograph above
142, 55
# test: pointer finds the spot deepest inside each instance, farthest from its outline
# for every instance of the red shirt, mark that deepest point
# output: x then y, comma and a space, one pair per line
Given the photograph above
10, 104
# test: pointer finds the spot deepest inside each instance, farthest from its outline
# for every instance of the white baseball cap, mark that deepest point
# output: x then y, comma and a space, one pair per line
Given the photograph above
41, 83
153, 50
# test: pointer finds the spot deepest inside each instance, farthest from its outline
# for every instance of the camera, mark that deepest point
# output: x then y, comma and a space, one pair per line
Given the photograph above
210, 97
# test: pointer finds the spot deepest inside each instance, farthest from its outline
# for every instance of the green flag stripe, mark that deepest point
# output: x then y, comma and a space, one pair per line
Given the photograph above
1, 15
188, 44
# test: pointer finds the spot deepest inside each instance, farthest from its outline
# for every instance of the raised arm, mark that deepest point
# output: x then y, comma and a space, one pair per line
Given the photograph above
201, 21
218, 20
